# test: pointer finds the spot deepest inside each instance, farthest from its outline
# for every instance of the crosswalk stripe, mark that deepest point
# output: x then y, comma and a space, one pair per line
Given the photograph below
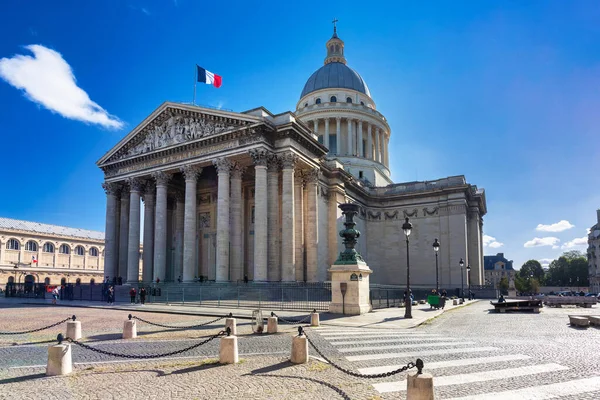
365, 357
374, 334
393, 340
451, 363
400, 346
550, 391
462, 379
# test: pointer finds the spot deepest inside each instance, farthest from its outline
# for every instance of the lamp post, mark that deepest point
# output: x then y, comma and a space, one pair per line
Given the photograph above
407, 227
436, 248
469, 280
462, 286
16, 267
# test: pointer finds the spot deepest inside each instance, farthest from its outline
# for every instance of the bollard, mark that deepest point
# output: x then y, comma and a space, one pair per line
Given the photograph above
419, 386
59, 358
74, 329
314, 318
272, 324
230, 323
299, 348
228, 351
129, 328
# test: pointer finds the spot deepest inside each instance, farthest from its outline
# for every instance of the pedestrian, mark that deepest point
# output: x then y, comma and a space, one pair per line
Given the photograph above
143, 295
444, 293
120, 280
501, 299
179, 279
132, 294
54, 295
157, 280
111, 295
246, 279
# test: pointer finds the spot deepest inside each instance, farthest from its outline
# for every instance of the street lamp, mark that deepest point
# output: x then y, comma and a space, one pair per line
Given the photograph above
462, 286
436, 248
469, 280
407, 227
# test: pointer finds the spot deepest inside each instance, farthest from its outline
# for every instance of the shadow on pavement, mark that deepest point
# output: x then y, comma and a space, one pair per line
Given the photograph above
195, 368
336, 389
22, 378
271, 368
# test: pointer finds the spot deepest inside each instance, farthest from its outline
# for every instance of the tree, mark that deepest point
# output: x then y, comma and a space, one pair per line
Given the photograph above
521, 284
532, 267
570, 269
534, 285
503, 284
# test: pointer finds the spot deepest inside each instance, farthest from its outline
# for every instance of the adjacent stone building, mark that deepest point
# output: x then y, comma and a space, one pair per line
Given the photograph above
497, 267
256, 194
593, 255
49, 254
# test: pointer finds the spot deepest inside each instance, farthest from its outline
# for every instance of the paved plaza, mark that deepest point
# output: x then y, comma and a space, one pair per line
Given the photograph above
472, 354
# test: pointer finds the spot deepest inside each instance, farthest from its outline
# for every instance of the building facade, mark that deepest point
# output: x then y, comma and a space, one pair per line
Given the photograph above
229, 195
42, 253
496, 267
593, 255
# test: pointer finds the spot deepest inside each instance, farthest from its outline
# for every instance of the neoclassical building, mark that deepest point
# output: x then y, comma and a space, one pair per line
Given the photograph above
62, 254
593, 255
234, 194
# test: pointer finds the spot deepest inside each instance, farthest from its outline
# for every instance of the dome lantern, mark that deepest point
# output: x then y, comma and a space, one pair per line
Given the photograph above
335, 47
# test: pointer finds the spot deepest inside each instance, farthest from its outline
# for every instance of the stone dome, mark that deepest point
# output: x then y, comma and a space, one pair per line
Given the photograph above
335, 75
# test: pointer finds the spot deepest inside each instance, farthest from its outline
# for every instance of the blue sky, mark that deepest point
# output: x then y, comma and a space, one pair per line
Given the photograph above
506, 93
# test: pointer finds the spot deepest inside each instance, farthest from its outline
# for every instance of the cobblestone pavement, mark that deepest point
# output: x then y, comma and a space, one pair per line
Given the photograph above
473, 354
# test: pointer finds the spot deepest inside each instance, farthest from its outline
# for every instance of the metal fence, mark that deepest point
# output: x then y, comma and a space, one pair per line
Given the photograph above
384, 296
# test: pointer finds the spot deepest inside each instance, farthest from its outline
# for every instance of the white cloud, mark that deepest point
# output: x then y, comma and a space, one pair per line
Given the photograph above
583, 241
489, 241
145, 11
47, 79
557, 227
546, 241
545, 261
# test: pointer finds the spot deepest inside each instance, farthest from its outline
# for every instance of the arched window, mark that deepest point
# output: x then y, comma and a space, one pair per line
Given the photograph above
362, 103
333, 99
305, 104
48, 248
318, 100
13, 244
93, 252
78, 282
63, 281
64, 249
47, 281
337, 48
92, 281
11, 279
80, 251
31, 246
348, 100
331, 48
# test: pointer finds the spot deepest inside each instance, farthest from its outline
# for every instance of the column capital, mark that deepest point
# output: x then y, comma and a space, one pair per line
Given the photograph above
162, 178
136, 184
311, 175
237, 170
259, 156
338, 119
149, 187
273, 163
223, 165
288, 160
191, 172
111, 188
299, 177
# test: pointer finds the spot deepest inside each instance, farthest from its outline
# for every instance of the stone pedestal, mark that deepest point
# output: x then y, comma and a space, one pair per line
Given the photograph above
129, 329
356, 300
59, 360
74, 330
314, 319
299, 350
419, 387
228, 351
272, 325
231, 324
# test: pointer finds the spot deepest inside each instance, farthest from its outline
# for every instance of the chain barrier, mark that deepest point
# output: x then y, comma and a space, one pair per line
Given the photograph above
179, 327
39, 329
418, 363
60, 339
291, 321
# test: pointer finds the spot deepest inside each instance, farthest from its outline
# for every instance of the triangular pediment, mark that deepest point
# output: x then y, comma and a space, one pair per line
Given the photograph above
173, 124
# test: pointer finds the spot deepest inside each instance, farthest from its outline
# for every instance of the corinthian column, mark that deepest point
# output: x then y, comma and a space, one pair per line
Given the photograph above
350, 147
288, 273
124, 233
133, 249
326, 136
360, 139
312, 215
338, 135
160, 227
149, 210
259, 156
110, 239
299, 224
377, 146
179, 225
369, 143
273, 263
223, 166
236, 222
191, 174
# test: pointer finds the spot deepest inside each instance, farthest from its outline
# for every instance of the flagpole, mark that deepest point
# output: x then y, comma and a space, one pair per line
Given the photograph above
195, 82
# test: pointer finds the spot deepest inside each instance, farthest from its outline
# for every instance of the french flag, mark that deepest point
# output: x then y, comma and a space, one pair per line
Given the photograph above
209, 78
33, 259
